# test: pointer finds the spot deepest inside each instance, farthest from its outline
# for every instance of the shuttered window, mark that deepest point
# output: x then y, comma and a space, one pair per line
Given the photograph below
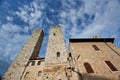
95, 47
88, 68
111, 66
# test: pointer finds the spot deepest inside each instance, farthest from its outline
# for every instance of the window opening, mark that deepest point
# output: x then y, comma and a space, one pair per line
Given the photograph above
33, 63
70, 55
39, 62
111, 66
54, 34
95, 47
88, 68
58, 54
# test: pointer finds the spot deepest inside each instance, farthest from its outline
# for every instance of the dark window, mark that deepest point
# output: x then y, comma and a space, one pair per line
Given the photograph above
32, 63
111, 66
54, 34
70, 55
58, 54
95, 47
88, 68
39, 62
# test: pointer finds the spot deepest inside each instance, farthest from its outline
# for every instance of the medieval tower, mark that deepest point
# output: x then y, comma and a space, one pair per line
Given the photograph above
87, 59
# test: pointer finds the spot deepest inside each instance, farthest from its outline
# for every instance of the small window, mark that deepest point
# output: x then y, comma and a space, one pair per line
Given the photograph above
39, 73
58, 54
39, 62
88, 68
70, 55
95, 47
54, 34
111, 66
32, 63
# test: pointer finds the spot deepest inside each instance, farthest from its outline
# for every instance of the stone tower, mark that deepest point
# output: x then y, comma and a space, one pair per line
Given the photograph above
56, 56
56, 50
87, 59
29, 51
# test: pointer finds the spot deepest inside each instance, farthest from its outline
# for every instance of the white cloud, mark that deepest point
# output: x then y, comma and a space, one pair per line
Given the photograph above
10, 28
106, 18
10, 38
106, 22
31, 13
9, 18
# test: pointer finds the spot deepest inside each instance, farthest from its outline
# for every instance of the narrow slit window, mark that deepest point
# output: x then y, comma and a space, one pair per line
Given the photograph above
70, 55
39, 62
88, 68
95, 47
58, 54
111, 66
54, 34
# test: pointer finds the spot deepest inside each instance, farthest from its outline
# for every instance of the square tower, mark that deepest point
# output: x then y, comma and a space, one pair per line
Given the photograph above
56, 50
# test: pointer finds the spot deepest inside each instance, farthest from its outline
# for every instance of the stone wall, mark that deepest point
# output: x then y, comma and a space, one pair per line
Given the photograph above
83, 52
31, 47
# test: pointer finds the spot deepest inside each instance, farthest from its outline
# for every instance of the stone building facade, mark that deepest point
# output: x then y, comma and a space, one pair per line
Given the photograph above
86, 59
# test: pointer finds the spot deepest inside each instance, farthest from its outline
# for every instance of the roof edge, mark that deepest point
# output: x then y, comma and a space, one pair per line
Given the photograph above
91, 40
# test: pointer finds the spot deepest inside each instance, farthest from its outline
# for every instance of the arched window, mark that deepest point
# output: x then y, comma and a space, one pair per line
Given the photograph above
88, 68
39, 62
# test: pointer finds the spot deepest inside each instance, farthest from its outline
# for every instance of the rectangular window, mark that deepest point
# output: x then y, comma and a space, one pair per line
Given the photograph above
39, 62
58, 54
33, 63
95, 47
111, 66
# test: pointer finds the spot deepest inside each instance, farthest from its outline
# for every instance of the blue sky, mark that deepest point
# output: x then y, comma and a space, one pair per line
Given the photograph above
78, 18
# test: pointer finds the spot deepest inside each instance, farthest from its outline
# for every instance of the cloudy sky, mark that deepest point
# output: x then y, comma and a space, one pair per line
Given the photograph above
78, 18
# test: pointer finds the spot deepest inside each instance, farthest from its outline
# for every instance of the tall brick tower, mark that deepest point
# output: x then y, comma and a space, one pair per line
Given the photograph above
29, 51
